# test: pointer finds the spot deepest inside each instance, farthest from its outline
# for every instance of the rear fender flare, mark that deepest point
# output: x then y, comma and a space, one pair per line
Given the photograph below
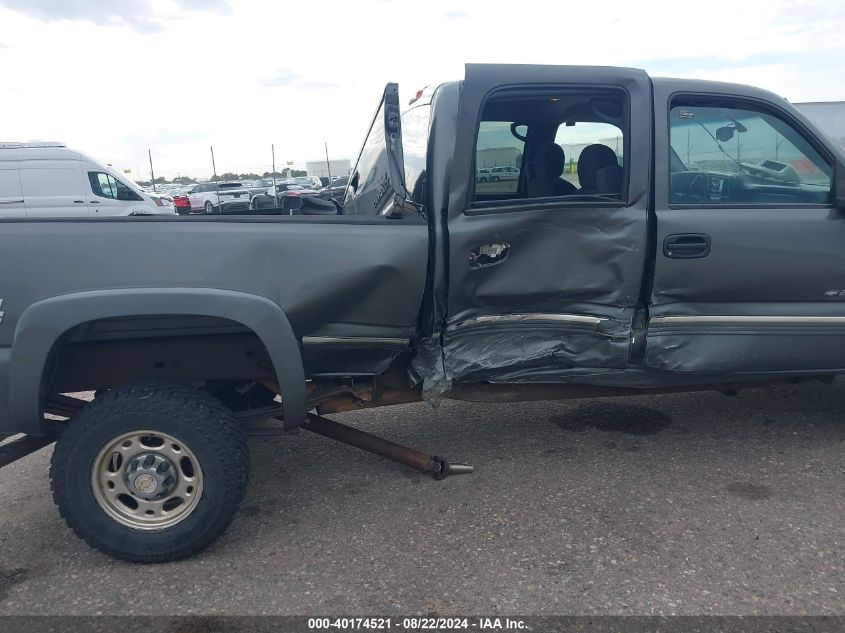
42, 324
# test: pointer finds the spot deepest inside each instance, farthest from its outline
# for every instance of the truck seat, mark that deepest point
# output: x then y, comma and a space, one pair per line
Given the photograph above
544, 172
598, 170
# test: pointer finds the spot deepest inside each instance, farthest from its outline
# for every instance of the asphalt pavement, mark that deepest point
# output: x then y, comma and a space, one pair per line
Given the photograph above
674, 504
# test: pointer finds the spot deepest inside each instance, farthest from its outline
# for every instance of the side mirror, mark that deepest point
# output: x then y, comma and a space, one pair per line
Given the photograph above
839, 185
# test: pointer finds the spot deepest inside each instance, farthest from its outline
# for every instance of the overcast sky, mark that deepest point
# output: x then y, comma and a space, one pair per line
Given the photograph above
115, 77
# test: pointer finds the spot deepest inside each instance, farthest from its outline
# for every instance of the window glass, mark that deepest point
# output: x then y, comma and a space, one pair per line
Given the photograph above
103, 185
415, 124
551, 144
498, 158
107, 186
575, 137
367, 198
736, 155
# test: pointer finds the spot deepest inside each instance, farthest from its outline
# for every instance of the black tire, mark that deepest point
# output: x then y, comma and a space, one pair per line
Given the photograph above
494, 179
199, 422
256, 397
208, 208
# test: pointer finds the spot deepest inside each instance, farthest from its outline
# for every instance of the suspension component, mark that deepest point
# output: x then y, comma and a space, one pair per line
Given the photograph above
437, 467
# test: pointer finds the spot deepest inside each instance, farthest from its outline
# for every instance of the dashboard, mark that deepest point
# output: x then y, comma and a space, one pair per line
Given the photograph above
715, 187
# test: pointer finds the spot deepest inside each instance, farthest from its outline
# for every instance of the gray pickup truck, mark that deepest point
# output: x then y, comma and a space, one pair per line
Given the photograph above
661, 235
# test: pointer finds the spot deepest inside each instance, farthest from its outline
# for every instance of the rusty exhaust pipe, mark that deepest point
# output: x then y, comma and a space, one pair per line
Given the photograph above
437, 467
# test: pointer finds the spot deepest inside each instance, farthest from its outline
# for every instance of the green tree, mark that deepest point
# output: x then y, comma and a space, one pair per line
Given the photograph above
249, 177
184, 180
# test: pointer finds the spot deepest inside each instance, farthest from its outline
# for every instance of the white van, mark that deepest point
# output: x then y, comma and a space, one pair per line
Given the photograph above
49, 180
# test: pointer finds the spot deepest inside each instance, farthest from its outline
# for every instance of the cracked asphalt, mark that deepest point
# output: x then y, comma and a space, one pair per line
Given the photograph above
675, 504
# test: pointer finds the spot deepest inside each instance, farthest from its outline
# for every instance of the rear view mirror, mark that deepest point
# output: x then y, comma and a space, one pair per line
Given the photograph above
520, 131
724, 133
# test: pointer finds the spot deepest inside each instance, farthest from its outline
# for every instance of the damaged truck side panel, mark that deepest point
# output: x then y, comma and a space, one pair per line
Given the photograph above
561, 299
454, 280
694, 239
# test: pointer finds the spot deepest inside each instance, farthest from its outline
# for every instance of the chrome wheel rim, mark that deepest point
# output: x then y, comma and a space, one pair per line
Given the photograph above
147, 480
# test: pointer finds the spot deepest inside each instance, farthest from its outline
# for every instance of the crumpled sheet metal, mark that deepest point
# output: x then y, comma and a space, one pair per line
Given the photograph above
515, 354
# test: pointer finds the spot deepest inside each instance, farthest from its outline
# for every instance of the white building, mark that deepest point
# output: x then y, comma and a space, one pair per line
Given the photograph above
338, 167
829, 116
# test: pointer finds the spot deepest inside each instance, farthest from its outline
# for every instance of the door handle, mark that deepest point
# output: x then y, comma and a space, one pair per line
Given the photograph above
94, 202
687, 246
489, 254
78, 201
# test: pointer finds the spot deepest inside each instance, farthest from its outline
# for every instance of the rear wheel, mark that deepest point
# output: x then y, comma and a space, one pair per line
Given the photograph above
209, 208
150, 473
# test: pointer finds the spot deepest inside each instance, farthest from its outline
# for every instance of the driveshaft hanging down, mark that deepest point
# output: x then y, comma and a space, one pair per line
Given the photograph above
437, 467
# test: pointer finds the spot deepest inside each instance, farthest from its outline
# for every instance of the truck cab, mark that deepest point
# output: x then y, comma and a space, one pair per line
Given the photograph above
657, 232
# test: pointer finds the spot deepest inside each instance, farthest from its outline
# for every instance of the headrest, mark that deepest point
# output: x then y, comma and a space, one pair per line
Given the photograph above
592, 158
549, 160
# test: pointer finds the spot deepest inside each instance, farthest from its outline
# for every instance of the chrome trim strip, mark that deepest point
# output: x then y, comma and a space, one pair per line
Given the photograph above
728, 320
354, 340
529, 318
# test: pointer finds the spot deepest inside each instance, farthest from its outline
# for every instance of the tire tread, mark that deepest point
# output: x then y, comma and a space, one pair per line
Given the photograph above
192, 407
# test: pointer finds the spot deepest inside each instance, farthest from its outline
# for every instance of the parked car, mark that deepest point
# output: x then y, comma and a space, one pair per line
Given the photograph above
45, 179
261, 186
219, 197
674, 270
482, 175
309, 182
267, 200
503, 173
336, 189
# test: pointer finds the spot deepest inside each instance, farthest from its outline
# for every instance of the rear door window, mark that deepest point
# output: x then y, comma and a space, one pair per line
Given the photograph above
558, 143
